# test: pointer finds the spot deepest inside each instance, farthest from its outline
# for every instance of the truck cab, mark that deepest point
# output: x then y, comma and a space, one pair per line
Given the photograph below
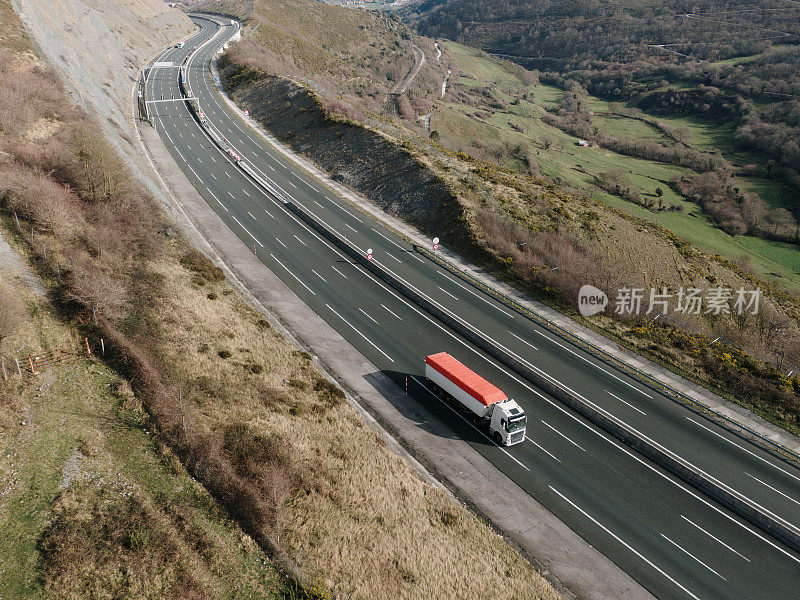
507, 424
179, 45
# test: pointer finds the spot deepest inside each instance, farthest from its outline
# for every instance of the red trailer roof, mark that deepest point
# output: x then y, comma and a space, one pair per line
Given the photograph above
469, 381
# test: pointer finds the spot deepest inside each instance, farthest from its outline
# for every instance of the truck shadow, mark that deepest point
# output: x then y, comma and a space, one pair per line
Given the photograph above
411, 395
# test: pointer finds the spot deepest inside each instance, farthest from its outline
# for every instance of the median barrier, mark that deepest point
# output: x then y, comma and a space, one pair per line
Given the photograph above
631, 439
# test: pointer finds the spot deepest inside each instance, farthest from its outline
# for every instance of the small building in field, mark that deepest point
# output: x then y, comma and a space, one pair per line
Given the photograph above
582, 143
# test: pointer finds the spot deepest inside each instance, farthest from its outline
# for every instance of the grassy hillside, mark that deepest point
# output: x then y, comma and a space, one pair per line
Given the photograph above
730, 70
493, 113
352, 58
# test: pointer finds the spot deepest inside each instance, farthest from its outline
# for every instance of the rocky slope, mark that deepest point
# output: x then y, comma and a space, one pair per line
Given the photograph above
98, 46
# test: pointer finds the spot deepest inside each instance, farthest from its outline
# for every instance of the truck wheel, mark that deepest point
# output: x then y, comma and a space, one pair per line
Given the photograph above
498, 438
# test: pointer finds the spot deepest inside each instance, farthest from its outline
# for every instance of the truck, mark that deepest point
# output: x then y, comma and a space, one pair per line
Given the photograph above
179, 45
484, 403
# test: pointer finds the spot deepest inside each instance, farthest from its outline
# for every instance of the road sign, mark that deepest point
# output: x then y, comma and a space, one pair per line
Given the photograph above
369, 254
436, 243
246, 113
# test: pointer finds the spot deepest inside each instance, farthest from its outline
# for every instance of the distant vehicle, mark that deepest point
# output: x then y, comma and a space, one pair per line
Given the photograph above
179, 45
483, 402
582, 143
233, 22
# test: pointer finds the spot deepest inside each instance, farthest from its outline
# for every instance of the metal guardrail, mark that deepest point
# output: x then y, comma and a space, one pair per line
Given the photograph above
656, 454
767, 444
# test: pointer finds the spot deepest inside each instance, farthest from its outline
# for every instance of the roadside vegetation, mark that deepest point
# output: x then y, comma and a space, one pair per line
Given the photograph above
523, 200
203, 455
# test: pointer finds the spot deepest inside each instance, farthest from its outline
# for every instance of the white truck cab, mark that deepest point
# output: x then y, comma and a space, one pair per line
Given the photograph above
508, 422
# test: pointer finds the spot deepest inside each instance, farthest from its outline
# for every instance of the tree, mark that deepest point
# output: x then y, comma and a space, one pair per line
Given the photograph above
659, 192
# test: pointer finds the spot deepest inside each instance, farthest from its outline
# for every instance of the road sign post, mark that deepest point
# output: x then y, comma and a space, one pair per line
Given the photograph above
436, 243
369, 254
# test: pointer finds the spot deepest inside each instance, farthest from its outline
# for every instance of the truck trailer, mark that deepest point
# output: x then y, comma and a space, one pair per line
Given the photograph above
483, 402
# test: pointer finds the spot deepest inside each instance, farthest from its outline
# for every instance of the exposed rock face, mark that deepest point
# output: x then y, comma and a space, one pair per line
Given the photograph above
98, 46
354, 156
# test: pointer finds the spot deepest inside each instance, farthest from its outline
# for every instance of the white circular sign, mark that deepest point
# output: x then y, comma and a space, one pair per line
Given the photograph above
369, 251
435, 240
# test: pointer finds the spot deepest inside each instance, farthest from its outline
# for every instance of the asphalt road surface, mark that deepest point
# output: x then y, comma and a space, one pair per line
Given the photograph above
671, 538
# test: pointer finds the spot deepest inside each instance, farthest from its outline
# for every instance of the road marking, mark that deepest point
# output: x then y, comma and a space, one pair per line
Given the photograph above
318, 275
523, 341
269, 213
542, 449
716, 539
291, 184
280, 242
448, 293
292, 274
248, 232
761, 458
245, 191
621, 541
583, 358
478, 296
388, 240
343, 209
229, 175
391, 312
623, 401
338, 271
252, 215
712, 507
366, 315
212, 158
318, 204
460, 416
772, 488
394, 257
231, 195
214, 176
692, 556
359, 333
351, 227
299, 240
562, 435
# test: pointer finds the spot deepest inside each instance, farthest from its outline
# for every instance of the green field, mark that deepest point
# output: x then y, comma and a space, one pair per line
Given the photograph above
558, 157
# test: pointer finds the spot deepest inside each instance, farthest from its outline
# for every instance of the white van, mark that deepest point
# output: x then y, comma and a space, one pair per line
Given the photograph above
180, 44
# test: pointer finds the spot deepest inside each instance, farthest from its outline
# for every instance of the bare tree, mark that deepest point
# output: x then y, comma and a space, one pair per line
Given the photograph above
99, 292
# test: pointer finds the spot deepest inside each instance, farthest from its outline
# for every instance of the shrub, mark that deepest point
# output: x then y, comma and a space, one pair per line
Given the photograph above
204, 270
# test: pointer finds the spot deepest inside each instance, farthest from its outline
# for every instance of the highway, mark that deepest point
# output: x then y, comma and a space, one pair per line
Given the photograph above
675, 541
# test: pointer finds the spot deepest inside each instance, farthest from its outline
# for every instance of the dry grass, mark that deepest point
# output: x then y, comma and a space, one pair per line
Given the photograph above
89, 506
351, 58
364, 521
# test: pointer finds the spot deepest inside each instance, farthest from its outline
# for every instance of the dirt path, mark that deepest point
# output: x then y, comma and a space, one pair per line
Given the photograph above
12, 262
